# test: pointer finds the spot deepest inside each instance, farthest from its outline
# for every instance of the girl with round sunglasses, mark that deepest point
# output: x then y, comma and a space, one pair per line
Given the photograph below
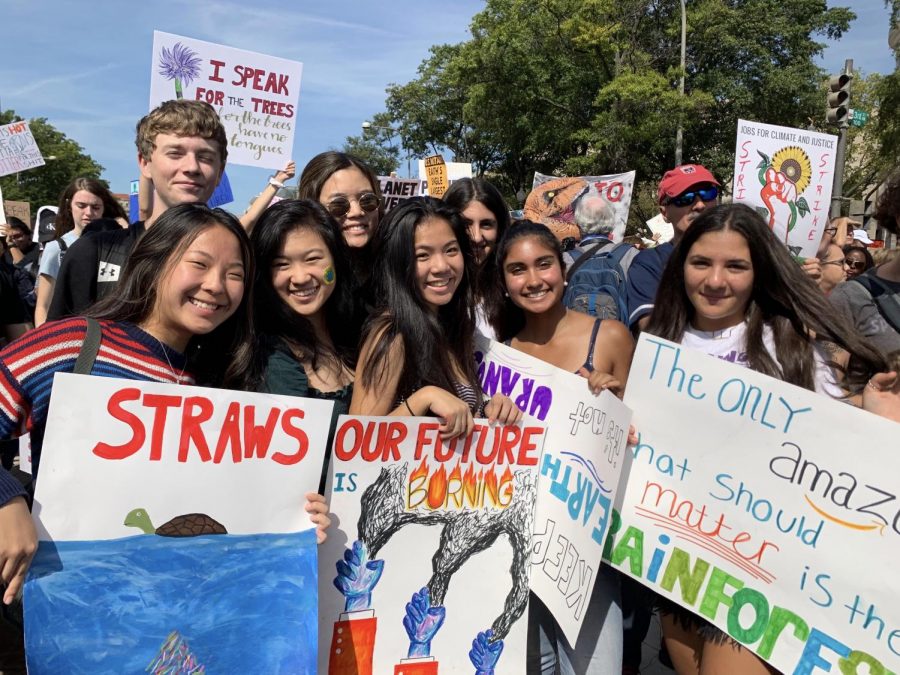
350, 191
417, 356
732, 290
486, 217
301, 308
529, 274
857, 260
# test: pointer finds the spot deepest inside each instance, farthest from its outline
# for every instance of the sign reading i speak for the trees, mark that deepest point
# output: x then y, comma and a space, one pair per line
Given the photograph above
255, 95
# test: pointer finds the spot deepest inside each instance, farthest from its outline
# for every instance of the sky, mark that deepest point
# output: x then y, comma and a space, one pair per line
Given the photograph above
88, 72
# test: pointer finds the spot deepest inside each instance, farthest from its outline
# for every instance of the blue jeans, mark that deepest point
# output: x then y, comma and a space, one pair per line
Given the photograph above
598, 650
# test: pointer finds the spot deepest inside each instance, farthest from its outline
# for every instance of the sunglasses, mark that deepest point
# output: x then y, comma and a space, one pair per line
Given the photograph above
831, 230
687, 198
855, 264
340, 206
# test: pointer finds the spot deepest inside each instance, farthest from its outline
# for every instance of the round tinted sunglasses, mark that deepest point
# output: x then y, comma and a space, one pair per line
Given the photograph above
687, 198
340, 206
855, 264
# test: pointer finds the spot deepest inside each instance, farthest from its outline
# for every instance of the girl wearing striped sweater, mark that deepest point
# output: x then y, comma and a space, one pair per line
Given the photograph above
180, 315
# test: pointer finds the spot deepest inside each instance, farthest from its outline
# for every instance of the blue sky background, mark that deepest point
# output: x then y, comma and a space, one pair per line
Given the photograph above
86, 66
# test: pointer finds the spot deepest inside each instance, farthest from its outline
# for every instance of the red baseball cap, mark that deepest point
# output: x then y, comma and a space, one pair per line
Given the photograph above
682, 177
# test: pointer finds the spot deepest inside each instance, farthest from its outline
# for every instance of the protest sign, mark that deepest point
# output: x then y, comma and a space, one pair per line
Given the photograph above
787, 175
744, 505
20, 210
436, 175
426, 563
255, 95
18, 149
579, 472
172, 531
455, 171
395, 190
553, 199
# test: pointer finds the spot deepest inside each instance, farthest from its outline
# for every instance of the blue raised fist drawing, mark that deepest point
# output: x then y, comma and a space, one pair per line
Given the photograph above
421, 622
357, 576
484, 653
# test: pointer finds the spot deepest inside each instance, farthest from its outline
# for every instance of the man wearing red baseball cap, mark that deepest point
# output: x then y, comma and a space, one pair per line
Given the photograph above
683, 194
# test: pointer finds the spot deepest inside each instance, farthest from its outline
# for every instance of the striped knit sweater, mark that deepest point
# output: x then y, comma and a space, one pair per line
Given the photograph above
27, 367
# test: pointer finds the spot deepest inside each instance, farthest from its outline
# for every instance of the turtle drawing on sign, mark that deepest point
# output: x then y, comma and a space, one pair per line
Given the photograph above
784, 178
188, 525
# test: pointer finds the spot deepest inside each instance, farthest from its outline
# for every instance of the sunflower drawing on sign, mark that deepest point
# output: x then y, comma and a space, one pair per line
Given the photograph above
784, 177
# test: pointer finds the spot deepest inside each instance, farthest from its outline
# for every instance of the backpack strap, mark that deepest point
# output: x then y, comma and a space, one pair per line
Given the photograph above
62, 245
583, 258
89, 348
884, 298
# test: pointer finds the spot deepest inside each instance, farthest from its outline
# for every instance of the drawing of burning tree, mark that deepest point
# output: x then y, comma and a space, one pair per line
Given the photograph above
181, 64
463, 534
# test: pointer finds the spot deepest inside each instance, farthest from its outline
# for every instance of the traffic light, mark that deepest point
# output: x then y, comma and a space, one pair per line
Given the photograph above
839, 99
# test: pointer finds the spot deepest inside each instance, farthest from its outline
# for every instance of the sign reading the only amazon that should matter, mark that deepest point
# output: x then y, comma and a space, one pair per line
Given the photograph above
256, 95
744, 506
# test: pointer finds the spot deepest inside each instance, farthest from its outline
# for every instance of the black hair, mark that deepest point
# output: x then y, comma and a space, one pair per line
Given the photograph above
506, 318
783, 297
273, 318
869, 260
220, 358
463, 192
435, 346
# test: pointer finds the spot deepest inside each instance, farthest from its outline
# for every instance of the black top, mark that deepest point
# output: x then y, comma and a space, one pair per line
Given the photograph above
284, 374
91, 269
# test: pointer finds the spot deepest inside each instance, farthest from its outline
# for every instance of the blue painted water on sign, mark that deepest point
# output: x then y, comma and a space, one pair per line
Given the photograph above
227, 603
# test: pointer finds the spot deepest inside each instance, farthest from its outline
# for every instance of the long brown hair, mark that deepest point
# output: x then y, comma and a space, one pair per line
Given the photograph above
111, 208
783, 298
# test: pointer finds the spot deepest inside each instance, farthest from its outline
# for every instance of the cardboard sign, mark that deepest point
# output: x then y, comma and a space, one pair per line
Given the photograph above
455, 171
20, 210
255, 95
436, 173
744, 505
426, 568
553, 199
579, 473
18, 149
172, 531
395, 190
787, 175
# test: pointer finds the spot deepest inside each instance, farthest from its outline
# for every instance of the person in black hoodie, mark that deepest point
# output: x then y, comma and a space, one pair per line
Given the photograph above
182, 149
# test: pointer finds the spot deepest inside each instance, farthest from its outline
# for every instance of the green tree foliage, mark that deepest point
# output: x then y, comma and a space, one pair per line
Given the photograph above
886, 125
376, 146
591, 86
43, 185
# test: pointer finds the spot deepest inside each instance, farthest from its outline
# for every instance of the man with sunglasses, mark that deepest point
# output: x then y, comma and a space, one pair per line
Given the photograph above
683, 194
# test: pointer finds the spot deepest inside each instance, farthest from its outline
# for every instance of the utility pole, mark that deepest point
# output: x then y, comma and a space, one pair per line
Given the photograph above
679, 133
839, 113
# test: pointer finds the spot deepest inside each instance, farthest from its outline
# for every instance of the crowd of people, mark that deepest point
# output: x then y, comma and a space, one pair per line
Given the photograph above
327, 296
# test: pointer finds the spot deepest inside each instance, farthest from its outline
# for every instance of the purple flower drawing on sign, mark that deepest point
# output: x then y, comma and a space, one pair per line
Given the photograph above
180, 64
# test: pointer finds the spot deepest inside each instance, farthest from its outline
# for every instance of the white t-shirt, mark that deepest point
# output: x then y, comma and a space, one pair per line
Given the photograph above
481, 323
731, 345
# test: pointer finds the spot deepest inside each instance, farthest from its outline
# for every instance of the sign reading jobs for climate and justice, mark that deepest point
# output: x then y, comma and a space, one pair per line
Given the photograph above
767, 509
255, 95
18, 149
171, 530
787, 175
579, 472
425, 569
